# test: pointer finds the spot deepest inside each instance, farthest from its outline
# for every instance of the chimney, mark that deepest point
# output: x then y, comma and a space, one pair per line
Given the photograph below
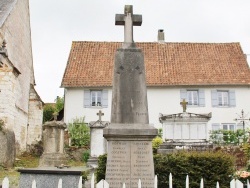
161, 38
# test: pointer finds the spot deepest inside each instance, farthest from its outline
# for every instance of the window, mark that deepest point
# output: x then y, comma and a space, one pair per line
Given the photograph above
194, 97
223, 98
228, 126
95, 98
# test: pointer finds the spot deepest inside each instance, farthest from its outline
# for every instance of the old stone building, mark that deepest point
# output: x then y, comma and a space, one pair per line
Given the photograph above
20, 105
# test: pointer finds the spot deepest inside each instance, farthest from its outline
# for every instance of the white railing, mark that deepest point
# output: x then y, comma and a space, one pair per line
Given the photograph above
233, 184
103, 184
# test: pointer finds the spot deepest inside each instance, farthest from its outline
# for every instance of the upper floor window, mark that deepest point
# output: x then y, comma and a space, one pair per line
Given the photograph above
194, 97
95, 98
228, 126
223, 98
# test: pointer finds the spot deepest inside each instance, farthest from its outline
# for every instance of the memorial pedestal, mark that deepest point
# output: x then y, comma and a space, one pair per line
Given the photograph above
130, 155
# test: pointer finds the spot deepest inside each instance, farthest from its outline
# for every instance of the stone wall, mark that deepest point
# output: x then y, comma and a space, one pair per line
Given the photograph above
15, 88
35, 118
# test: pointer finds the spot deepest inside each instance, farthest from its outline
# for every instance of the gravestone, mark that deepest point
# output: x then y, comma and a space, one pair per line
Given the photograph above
98, 144
129, 135
53, 143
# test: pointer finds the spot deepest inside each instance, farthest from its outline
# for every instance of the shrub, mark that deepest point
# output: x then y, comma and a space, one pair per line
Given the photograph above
79, 133
100, 172
85, 156
211, 166
157, 141
48, 111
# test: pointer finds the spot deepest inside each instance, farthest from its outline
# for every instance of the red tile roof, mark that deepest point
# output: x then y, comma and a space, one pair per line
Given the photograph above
90, 64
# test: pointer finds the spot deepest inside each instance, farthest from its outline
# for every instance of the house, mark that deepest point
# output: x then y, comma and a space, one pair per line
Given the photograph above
212, 77
20, 104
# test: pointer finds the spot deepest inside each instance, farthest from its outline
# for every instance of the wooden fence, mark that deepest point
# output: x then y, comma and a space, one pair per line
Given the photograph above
103, 184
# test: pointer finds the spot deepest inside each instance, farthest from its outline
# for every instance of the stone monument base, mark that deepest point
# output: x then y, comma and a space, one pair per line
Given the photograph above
49, 177
52, 159
130, 155
92, 162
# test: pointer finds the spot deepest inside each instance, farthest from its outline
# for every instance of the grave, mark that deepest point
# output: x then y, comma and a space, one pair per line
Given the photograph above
129, 135
184, 130
98, 144
53, 144
52, 163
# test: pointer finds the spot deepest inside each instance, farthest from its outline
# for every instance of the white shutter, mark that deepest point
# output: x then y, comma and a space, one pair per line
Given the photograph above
183, 94
86, 100
232, 100
214, 98
201, 97
105, 98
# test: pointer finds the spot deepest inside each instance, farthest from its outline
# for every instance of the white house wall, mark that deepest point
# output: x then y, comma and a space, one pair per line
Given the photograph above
161, 100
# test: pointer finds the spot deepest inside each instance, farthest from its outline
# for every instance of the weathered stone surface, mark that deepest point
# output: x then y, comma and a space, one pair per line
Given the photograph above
7, 148
49, 177
129, 135
53, 144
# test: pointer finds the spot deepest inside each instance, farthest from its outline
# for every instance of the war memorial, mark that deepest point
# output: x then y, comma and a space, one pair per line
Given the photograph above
129, 135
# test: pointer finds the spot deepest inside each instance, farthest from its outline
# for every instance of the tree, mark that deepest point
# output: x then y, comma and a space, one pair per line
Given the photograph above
50, 109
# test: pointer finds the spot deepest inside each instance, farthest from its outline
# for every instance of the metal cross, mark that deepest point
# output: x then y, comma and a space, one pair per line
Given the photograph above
128, 20
184, 105
242, 118
100, 114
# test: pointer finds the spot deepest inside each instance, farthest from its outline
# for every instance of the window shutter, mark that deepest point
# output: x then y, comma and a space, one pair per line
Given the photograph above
201, 97
105, 98
183, 94
214, 98
232, 100
86, 102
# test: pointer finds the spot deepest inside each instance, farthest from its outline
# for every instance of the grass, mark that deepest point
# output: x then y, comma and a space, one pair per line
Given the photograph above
25, 161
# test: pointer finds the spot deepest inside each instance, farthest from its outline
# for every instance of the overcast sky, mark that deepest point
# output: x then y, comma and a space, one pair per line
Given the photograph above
55, 24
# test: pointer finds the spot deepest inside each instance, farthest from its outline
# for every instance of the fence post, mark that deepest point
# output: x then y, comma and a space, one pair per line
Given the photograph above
202, 183
239, 184
170, 181
34, 184
232, 183
92, 183
139, 183
155, 182
123, 185
187, 182
217, 185
102, 184
5, 183
60, 183
248, 186
80, 182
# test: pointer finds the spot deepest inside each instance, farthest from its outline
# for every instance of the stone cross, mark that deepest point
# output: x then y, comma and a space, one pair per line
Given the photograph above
128, 20
100, 114
184, 105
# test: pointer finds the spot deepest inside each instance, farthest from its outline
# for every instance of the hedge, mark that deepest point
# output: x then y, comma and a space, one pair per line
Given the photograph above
211, 166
